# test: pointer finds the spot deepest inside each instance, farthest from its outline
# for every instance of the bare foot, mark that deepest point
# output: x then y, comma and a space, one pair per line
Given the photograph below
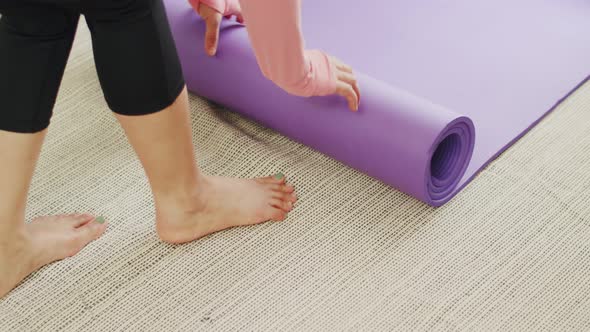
222, 203
45, 240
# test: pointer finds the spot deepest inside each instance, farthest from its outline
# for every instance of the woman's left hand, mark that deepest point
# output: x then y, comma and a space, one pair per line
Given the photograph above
212, 20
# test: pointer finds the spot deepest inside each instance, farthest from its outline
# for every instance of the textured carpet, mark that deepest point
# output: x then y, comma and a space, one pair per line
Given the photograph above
511, 252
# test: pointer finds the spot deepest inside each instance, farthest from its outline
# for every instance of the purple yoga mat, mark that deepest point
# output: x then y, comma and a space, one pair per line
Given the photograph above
446, 85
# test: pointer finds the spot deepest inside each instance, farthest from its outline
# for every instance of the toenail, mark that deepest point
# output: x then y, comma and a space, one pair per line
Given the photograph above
100, 220
279, 176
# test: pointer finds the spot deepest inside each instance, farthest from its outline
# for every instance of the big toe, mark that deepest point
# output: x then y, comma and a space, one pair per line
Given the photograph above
273, 179
77, 220
90, 231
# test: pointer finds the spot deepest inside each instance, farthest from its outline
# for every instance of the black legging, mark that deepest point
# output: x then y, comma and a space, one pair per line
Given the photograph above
134, 53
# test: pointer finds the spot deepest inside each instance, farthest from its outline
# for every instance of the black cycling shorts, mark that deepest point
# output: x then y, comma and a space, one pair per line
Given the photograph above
134, 53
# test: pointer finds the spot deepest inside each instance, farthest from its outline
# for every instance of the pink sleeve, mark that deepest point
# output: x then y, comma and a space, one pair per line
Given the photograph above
274, 29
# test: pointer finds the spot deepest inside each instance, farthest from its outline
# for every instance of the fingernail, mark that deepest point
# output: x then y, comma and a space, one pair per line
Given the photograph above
100, 220
279, 176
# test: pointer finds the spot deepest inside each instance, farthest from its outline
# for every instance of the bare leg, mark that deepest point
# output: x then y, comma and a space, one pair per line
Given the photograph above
189, 204
24, 248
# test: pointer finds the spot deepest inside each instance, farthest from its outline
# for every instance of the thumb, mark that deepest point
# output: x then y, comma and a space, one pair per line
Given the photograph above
212, 34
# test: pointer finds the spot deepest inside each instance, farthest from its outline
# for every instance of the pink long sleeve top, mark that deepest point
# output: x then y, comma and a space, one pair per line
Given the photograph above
274, 29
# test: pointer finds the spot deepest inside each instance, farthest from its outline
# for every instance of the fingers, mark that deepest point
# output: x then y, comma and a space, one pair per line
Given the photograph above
212, 20
347, 91
212, 33
341, 65
349, 78
347, 85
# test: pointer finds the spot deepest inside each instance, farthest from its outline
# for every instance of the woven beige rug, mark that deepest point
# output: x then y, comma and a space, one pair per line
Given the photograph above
511, 252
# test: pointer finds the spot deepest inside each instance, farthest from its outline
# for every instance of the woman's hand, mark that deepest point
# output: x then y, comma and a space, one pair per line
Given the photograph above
212, 20
346, 85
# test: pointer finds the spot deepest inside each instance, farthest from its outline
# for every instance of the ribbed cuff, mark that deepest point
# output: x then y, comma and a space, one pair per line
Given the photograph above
323, 73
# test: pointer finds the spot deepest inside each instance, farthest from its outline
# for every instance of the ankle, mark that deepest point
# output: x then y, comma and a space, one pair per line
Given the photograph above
190, 199
17, 247
13, 239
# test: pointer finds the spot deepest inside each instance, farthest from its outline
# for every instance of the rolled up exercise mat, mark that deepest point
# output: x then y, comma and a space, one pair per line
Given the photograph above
446, 85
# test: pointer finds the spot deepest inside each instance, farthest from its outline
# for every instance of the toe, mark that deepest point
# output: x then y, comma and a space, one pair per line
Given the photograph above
287, 197
292, 198
273, 179
277, 215
289, 189
282, 188
83, 235
78, 220
282, 204
91, 231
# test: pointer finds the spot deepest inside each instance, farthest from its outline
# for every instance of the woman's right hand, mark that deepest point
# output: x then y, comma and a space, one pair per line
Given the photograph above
346, 84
